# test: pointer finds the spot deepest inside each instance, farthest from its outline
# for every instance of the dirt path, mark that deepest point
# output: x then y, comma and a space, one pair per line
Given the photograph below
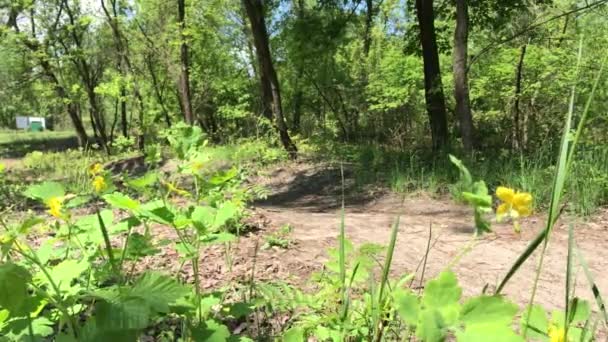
308, 198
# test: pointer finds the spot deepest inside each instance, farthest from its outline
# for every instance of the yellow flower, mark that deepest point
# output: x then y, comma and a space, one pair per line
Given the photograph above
99, 184
55, 205
197, 166
95, 169
557, 334
515, 204
173, 188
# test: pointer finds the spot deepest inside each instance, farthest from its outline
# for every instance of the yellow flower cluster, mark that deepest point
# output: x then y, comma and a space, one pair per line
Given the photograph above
99, 184
55, 205
557, 334
99, 181
95, 169
515, 204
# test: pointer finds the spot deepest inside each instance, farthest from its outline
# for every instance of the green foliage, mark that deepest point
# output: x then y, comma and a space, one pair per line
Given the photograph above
476, 195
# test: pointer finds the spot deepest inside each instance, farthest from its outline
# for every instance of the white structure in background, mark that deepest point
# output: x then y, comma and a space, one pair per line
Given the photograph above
24, 122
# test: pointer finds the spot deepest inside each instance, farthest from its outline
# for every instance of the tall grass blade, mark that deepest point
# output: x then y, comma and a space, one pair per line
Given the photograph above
559, 180
592, 284
570, 256
378, 326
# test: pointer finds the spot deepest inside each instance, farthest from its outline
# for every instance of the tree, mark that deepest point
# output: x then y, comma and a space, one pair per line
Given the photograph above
435, 100
461, 81
184, 77
271, 92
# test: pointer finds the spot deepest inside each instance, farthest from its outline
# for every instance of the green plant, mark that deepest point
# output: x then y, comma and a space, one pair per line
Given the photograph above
279, 238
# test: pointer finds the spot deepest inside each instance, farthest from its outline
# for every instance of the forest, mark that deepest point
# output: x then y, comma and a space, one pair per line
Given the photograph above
303, 170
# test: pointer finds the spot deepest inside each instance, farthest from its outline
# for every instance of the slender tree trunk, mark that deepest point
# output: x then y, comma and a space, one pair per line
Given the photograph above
157, 90
461, 81
123, 112
369, 20
435, 100
184, 78
516, 133
268, 76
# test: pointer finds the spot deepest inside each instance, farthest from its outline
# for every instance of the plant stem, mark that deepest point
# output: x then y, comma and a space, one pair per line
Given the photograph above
106, 239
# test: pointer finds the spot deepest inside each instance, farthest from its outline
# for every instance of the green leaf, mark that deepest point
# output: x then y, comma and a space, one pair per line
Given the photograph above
443, 294
140, 246
294, 334
118, 313
212, 332
203, 218
227, 211
143, 182
158, 290
45, 191
13, 286
66, 272
465, 175
121, 201
19, 330
431, 326
488, 310
581, 310
537, 321
223, 176
238, 310
212, 239
482, 332
407, 305
477, 200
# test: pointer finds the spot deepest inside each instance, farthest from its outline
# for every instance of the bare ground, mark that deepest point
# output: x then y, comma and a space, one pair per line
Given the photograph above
308, 197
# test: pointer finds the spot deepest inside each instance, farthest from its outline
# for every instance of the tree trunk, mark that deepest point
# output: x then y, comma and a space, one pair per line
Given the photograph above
461, 81
123, 112
271, 93
516, 133
184, 77
435, 101
369, 20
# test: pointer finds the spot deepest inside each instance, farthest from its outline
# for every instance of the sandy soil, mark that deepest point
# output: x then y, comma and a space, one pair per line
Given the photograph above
308, 197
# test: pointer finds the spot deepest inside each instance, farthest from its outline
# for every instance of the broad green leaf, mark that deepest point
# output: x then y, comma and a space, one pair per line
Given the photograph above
223, 176
140, 246
203, 218
488, 310
121, 201
158, 290
29, 223
295, 334
483, 332
212, 239
93, 332
227, 211
119, 312
443, 294
65, 273
162, 215
538, 324
140, 183
477, 200
238, 310
407, 305
18, 329
212, 332
13, 286
45, 191
431, 327
581, 310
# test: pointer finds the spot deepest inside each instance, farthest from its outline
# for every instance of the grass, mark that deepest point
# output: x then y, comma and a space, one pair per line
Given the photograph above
15, 144
420, 171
